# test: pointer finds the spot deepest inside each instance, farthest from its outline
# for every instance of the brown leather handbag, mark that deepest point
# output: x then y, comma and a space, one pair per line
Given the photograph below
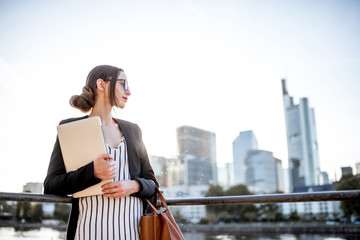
159, 225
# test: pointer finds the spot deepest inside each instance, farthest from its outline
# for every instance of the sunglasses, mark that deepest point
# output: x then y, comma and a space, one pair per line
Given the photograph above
124, 83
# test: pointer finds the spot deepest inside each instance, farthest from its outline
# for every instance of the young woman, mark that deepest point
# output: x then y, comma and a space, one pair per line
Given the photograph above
116, 213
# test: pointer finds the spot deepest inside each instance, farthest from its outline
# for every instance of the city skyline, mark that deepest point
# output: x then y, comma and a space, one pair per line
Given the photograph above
213, 65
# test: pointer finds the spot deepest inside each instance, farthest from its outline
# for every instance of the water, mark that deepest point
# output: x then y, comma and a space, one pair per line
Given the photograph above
206, 236
50, 234
9, 233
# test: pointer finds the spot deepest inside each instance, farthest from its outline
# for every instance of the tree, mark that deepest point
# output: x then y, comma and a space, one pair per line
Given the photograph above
62, 211
349, 182
179, 218
215, 211
270, 212
294, 216
240, 212
23, 211
37, 213
322, 216
236, 212
214, 191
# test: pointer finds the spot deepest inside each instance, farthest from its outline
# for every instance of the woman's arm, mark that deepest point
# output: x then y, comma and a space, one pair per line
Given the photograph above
147, 177
59, 182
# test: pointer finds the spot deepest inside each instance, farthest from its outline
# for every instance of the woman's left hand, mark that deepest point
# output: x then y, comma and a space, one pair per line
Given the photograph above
120, 189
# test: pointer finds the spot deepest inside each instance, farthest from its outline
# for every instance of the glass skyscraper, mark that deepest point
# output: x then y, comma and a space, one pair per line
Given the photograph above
197, 153
263, 172
243, 143
303, 153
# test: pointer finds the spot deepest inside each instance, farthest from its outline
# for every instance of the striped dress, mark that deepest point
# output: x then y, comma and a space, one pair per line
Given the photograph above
111, 218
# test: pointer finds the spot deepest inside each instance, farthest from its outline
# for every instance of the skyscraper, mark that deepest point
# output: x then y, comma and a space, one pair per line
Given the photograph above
263, 172
164, 171
346, 170
357, 167
303, 153
197, 153
243, 143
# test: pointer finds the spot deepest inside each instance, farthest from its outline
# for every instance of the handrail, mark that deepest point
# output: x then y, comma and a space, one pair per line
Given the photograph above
223, 200
270, 198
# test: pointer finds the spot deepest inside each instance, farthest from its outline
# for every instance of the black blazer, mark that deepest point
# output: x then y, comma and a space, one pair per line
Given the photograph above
59, 182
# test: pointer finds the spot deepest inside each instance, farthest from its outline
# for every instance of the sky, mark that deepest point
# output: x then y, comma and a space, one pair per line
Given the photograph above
214, 65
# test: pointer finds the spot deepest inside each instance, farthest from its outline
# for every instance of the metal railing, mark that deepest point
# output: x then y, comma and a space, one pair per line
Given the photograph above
225, 200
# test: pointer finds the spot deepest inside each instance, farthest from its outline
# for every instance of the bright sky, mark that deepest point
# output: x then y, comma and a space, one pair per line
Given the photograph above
215, 65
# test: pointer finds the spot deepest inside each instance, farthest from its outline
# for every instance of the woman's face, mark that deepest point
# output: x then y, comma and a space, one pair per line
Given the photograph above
121, 94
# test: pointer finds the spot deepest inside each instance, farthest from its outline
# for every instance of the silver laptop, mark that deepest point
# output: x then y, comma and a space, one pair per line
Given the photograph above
81, 142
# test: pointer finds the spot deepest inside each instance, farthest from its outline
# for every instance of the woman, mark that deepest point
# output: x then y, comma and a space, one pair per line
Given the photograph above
116, 213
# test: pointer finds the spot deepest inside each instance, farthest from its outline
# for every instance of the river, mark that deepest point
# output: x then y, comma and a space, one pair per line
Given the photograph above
8, 233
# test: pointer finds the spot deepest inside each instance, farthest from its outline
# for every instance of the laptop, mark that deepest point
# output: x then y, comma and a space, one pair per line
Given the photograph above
81, 142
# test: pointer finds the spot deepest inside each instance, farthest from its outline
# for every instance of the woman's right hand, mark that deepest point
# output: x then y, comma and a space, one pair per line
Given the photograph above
104, 167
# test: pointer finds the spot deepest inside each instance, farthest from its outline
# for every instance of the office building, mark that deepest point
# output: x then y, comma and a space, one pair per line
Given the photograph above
33, 187
243, 143
164, 171
303, 153
192, 213
263, 172
327, 208
225, 175
357, 167
197, 155
324, 178
346, 170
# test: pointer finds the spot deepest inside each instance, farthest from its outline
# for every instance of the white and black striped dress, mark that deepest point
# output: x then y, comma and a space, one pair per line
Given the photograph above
111, 218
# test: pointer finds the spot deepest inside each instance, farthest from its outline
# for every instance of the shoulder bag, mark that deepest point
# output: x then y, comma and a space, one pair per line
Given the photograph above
160, 224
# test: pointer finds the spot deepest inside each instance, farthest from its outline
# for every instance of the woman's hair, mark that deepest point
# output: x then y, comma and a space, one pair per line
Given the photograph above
86, 100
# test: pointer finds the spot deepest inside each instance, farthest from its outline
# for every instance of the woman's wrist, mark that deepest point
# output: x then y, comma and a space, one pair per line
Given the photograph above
137, 186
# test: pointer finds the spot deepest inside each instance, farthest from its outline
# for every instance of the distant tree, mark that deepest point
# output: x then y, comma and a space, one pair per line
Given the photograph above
249, 213
37, 213
322, 216
204, 221
294, 216
240, 212
179, 218
62, 211
23, 211
308, 217
215, 211
239, 189
214, 191
350, 182
270, 212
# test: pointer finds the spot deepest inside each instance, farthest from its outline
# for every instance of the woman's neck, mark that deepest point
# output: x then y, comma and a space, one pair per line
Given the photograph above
104, 114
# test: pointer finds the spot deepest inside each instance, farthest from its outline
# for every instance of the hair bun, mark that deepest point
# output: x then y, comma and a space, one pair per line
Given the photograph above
85, 101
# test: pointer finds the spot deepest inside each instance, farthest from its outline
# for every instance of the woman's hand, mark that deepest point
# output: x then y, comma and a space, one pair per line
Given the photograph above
103, 168
120, 189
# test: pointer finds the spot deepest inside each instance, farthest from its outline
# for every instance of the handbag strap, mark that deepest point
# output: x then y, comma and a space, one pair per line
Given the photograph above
162, 199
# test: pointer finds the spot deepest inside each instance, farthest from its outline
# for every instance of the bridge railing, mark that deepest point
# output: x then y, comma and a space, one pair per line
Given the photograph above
224, 200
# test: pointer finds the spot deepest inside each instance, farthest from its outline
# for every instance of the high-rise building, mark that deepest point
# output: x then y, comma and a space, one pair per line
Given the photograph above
163, 170
243, 143
197, 153
280, 176
346, 170
262, 172
225, 175
324, 178
303, 153
33, 187
357, 167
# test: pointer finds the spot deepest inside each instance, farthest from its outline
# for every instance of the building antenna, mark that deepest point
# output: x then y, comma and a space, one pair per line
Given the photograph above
285, 70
